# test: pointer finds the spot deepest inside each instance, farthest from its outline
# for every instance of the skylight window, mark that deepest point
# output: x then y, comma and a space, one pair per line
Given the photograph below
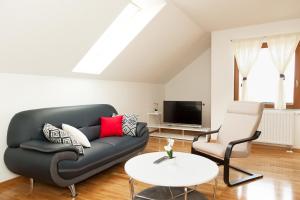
128, 24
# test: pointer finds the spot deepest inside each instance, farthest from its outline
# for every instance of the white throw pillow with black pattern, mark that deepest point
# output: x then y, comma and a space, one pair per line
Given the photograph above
129, 123
58, 136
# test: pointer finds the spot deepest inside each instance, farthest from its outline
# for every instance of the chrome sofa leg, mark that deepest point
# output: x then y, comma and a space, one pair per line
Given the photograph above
72, 190
31, 181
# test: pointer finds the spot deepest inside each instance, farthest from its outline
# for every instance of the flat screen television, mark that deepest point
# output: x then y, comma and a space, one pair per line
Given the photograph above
182, 112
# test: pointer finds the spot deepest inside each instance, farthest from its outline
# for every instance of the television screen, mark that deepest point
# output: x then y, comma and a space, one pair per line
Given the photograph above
183, 112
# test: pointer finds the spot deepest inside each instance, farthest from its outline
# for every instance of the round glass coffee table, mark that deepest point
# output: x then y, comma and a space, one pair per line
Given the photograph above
173, 178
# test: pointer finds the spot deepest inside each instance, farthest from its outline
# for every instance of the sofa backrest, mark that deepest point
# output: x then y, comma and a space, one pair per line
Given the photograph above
28, 125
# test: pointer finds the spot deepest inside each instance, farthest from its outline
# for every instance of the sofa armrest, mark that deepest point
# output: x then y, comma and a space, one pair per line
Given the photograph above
38, 165
141, 129
47, 147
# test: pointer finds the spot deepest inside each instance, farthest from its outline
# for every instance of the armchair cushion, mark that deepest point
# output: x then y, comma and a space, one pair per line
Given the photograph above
237, 126
245, 108
217, 150
241, 121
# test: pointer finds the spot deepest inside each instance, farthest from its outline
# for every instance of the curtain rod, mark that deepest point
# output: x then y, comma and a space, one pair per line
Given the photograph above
264, 37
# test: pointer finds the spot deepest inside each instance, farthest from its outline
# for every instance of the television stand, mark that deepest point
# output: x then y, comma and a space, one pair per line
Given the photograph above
185, 125
157, 130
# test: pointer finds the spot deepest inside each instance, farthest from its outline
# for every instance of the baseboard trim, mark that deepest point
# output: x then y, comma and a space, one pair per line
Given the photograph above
275, 146
13, 181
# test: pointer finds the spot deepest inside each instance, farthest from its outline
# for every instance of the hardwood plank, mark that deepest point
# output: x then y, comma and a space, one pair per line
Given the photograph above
281, 179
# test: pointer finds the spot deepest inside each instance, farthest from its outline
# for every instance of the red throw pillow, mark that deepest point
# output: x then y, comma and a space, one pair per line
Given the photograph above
111, 126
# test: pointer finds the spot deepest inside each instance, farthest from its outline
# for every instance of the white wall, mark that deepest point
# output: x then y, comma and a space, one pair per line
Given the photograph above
193, 83
22, 92
222, 73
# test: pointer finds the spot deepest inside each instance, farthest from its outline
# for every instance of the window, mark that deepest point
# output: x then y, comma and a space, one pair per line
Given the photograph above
129, 23
262, 80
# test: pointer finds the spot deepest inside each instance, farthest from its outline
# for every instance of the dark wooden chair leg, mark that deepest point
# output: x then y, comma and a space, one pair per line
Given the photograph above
250, 176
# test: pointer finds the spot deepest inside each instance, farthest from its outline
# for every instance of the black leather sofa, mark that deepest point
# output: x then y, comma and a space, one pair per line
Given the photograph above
31, 155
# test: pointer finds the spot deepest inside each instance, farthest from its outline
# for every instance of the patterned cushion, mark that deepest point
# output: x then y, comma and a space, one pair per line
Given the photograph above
129, 124
58, 136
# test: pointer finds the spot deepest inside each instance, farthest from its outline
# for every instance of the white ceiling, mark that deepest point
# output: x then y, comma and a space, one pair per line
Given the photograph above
222, 14
49, 37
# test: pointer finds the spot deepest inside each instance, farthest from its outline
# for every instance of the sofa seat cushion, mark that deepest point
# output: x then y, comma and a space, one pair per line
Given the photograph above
97, 154
102, 151
126, 142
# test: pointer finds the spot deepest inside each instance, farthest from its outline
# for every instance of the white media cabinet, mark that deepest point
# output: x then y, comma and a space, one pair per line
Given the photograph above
157, 131
155, 126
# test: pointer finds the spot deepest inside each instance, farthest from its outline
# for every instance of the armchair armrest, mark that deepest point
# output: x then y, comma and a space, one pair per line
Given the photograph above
47, 147
141, 129
233, 143
203, 133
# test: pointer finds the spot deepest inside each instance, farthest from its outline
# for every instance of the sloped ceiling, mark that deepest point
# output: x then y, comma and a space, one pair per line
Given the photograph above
169, 42
49, 37
219, 14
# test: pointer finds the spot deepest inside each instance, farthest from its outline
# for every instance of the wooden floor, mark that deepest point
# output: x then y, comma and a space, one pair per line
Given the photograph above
281, 179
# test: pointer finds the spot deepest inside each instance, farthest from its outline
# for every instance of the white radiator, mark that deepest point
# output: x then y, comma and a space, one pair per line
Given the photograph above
277, 127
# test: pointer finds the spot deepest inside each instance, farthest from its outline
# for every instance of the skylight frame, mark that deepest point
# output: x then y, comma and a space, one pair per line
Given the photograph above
128, 24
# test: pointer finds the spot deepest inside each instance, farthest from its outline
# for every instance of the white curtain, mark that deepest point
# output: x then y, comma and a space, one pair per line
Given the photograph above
282, 48
246, 53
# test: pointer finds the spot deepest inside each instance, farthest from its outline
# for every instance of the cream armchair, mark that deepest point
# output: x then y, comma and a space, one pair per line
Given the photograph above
234, 139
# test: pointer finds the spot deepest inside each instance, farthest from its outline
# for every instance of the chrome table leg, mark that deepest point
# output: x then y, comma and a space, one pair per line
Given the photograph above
185, 193
215, 188
172, 196
131, 186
